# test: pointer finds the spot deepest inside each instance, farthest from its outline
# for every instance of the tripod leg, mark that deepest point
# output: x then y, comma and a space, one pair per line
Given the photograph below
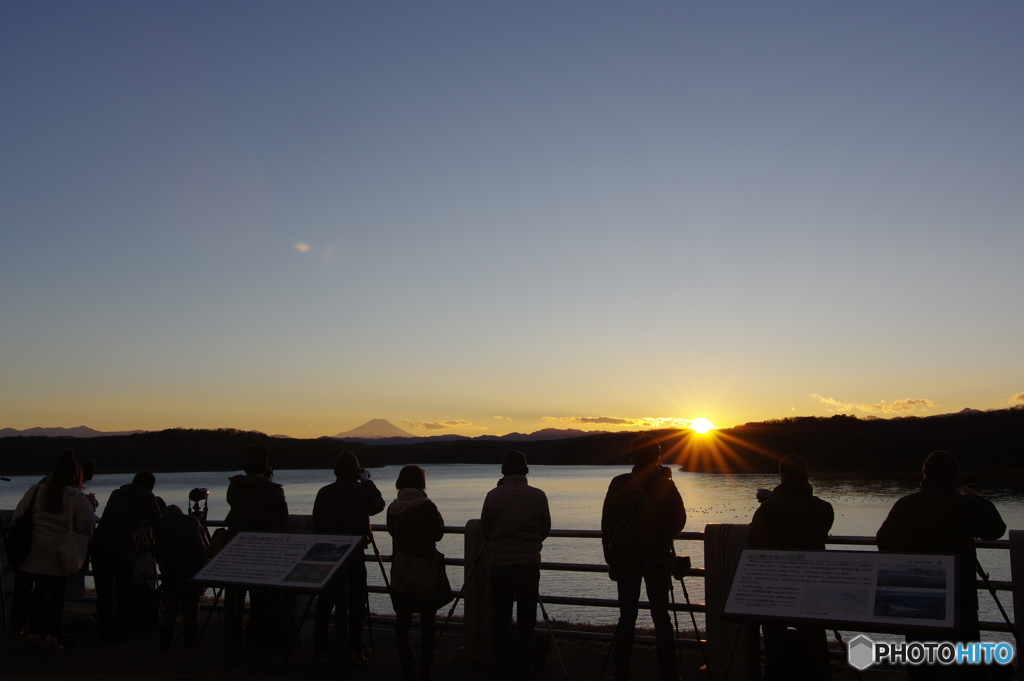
213, 608
696, 629
675, 617
551, 632
607, 657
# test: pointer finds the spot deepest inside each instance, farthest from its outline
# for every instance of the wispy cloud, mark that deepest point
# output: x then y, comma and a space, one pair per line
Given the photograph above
443, 425
502, 418
632, 422
301, 247
1019, 397
908, 404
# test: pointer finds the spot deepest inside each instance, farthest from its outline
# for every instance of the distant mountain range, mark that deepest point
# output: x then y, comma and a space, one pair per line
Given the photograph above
382, 432
77, 431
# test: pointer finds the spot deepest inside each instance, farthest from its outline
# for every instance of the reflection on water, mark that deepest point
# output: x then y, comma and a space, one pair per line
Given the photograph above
575, 494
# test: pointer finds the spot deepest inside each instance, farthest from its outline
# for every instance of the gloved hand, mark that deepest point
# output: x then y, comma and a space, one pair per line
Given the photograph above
364, 475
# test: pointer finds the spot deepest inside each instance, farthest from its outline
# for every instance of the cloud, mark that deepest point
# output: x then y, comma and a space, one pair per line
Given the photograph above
502, 418
1019, 397
443, 425
898, 407
640, 422
301, 247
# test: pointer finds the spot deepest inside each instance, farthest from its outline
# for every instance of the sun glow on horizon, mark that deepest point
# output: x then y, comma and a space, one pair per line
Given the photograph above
702, 425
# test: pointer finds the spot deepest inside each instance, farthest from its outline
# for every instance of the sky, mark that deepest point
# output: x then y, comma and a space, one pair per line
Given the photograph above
481, 218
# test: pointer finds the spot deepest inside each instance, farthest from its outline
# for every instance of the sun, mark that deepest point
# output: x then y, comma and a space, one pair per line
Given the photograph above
701, 425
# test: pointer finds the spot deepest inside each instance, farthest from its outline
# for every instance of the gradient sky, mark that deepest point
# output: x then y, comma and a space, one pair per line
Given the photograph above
295, 217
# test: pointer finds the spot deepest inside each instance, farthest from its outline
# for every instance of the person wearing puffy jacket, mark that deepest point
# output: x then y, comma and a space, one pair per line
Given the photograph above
415, 526
515, 520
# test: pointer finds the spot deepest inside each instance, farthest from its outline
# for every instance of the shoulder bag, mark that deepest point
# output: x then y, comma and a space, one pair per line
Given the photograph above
72, 545
18, 536
413, 577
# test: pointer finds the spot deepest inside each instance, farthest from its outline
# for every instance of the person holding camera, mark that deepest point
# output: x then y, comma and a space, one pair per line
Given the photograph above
345, 507
938, 519
791, 517
515, 520
131, 512
643, 511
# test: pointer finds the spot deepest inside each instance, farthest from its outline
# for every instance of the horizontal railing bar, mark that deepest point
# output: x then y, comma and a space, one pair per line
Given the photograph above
614, 603
836, 539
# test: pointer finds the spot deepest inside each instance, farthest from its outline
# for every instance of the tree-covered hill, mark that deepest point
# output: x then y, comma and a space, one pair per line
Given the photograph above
989, 443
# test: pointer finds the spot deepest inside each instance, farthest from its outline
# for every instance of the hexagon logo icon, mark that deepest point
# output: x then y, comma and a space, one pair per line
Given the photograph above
860, 652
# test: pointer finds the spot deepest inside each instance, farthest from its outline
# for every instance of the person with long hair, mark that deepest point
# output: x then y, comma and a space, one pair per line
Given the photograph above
415, 526
41, 578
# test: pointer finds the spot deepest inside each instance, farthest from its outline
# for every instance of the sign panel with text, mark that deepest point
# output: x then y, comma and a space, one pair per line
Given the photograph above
864, 590
303, 562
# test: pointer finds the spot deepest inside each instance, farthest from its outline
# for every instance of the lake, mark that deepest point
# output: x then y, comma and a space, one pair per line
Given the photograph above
575, 495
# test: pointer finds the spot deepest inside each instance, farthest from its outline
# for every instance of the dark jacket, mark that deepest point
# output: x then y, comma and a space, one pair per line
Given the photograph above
791, 518
516, 520
345, 507
257, 505
649, 505
938, 520
121, 531
180, 548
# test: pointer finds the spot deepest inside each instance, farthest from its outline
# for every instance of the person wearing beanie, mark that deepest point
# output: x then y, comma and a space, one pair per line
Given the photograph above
257, 505
642, 514
939, 518
345, 507
793, 518
515, 520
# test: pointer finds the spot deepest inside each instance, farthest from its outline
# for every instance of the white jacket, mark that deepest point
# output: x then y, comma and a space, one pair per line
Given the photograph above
47, 528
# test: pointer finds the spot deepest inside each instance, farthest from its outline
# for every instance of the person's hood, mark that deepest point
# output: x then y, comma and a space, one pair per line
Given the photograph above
133, 491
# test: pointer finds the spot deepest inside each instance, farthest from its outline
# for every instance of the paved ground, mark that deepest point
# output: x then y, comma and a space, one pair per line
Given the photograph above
141, 658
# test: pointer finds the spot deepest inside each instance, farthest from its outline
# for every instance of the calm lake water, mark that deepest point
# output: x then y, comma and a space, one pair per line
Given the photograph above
575, 494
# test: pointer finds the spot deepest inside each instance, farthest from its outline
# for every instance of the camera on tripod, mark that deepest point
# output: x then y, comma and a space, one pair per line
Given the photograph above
680, 566
199, 494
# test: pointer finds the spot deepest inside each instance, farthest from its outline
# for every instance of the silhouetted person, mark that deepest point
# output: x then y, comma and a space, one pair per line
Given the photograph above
793, 518
257, 505
345, 507
642, 514
515, 520
181, 552
39, 582
130, 512
415, 526
937, 519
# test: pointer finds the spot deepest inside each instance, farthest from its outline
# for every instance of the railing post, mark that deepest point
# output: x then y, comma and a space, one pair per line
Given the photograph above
735, 647
1017, 577
476, 599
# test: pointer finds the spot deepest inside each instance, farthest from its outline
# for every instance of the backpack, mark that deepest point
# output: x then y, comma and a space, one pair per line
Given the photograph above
18, 537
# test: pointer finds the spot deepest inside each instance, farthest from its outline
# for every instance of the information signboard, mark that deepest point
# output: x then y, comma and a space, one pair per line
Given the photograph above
301, 562
861, 590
